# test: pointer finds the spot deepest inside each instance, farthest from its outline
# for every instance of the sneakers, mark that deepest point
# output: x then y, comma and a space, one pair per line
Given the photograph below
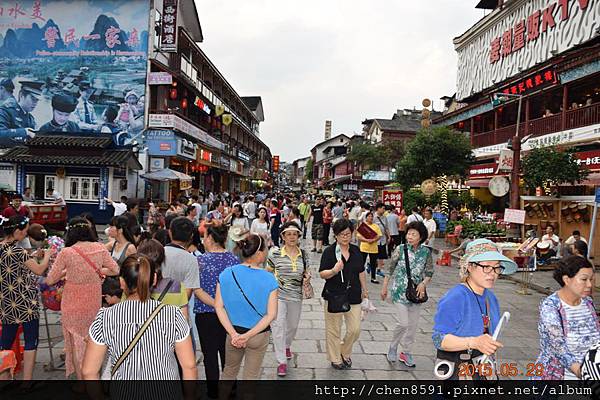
380, 273
288, 354
314, 250
407, 359
392, 355
375, 281
282, 370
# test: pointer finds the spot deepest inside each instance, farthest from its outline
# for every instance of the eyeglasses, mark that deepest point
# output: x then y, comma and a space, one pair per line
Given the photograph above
345, 234
488, 268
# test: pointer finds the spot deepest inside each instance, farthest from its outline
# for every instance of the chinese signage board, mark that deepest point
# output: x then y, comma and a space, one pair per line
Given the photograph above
349, 187
160, 78
519, 37
161, 143
506, 160
383, 176
393, 198
84, 62
482, 170
588, 159
168, 37
243, 156
532, 83
186, 149
514, 216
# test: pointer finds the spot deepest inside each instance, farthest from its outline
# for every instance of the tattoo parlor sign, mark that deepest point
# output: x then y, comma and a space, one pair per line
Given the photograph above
523, 34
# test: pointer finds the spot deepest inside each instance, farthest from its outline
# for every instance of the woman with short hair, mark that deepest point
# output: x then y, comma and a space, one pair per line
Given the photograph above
568, 324
343, 268
421, 270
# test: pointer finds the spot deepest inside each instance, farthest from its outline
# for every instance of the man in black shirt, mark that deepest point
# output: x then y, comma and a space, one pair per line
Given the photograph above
317, 225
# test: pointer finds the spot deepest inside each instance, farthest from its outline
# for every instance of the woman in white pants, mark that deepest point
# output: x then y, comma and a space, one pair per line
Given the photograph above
421, 271
290, 266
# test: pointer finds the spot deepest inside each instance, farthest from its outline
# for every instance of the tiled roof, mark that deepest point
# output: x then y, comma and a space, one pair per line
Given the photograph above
109, 158
399, 125
56, 140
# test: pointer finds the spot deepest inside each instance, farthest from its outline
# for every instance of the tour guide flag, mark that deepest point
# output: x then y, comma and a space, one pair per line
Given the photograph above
83, 61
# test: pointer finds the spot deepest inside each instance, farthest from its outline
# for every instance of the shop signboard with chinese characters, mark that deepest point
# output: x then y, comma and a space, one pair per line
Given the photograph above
519, 36
168, 36
482, 170
161, 143
393, 198
160, 78
84, 59
588, 159
383, 176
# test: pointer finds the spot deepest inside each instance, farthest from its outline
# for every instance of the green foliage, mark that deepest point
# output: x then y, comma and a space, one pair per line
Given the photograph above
373, 156
434, 152
551, 166
414, 197
308, 170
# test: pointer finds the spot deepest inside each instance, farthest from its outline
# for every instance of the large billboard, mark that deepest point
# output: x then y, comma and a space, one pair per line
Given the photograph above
72, 66
523, 34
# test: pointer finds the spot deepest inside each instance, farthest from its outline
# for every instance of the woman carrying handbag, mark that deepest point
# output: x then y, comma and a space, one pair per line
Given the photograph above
411, 269
342, 266
289, 265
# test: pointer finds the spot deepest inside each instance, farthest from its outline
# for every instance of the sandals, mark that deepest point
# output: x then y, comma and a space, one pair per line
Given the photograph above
339, 367
347, 363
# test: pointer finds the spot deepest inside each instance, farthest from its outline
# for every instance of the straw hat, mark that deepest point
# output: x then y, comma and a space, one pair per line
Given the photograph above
485, 250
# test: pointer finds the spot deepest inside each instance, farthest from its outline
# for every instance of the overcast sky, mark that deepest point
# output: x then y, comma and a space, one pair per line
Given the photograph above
343, 60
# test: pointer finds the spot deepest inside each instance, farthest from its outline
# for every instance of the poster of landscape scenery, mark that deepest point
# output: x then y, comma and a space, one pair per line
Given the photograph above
73, 66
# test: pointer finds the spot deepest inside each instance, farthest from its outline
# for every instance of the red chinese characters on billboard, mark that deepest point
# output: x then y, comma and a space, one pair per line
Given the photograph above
168, 39
534, 82
393, 198
537, 23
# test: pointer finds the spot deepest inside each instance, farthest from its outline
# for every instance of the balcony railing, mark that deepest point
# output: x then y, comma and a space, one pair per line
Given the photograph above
577, 118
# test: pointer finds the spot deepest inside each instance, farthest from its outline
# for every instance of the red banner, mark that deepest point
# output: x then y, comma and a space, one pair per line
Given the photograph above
393, 198
589, 159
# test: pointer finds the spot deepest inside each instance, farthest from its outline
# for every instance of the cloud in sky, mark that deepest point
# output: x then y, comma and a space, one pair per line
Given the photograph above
342, 60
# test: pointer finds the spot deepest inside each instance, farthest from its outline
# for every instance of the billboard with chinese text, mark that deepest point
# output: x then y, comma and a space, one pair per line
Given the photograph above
73, 67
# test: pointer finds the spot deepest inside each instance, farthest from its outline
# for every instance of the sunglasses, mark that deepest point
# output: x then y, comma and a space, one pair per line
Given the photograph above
488, 268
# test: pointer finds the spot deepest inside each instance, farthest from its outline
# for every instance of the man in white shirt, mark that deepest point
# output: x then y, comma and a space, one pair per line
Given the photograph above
415, 216
551, 238
120, 207
56, 197
575, 237
250, 209
429, 224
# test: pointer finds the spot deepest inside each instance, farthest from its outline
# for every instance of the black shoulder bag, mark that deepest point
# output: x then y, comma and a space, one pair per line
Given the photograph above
411, 288
339, 302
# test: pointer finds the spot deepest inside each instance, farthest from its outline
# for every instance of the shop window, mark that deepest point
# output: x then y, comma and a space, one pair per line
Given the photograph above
82, 188
30, 182
49, 183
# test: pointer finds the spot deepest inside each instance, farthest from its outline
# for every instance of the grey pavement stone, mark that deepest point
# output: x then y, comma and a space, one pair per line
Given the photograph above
310, 334
305, 346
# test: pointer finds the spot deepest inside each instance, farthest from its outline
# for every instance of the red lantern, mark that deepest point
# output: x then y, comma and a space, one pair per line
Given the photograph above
174, 83
173, 94
184, 103
461, 124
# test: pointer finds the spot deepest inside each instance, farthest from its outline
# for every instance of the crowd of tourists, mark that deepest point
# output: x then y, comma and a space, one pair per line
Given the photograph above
230, 272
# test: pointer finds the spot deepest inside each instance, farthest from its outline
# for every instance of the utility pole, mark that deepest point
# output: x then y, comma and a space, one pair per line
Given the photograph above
498, 99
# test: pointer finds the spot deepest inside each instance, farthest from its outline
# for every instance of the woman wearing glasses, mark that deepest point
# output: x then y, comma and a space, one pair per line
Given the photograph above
467, 315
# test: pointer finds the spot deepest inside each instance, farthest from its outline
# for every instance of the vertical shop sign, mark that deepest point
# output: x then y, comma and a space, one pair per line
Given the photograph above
103, 188
168, 41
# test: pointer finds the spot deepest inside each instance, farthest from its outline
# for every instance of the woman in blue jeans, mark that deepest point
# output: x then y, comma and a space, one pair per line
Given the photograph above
19, 303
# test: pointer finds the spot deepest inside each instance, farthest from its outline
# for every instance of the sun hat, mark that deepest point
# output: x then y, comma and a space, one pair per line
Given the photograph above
291, 228
543, 245
485, 250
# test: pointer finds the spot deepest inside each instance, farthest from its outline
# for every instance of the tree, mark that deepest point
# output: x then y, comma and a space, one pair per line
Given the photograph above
434, 152
308, 170
550, 166
373, 156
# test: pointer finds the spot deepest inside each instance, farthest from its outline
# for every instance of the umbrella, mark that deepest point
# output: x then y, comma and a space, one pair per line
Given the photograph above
167, 174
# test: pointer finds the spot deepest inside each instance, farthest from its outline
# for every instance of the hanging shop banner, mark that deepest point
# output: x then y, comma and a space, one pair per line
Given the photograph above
160, 78
83, 61
393, 198
519, 37
506, 160
103, 188
168, 36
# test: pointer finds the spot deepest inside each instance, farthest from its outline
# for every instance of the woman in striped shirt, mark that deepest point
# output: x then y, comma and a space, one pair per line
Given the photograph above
114, 328
288, 264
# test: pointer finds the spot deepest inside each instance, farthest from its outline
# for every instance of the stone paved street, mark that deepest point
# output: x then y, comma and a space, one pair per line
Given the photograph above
369, 358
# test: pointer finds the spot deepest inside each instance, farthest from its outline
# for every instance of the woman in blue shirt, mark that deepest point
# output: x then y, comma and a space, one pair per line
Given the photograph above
467, 315
246, 304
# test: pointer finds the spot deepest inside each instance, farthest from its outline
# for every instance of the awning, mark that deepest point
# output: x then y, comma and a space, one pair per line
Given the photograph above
100, 158
167, 174
339, 179
478, 183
